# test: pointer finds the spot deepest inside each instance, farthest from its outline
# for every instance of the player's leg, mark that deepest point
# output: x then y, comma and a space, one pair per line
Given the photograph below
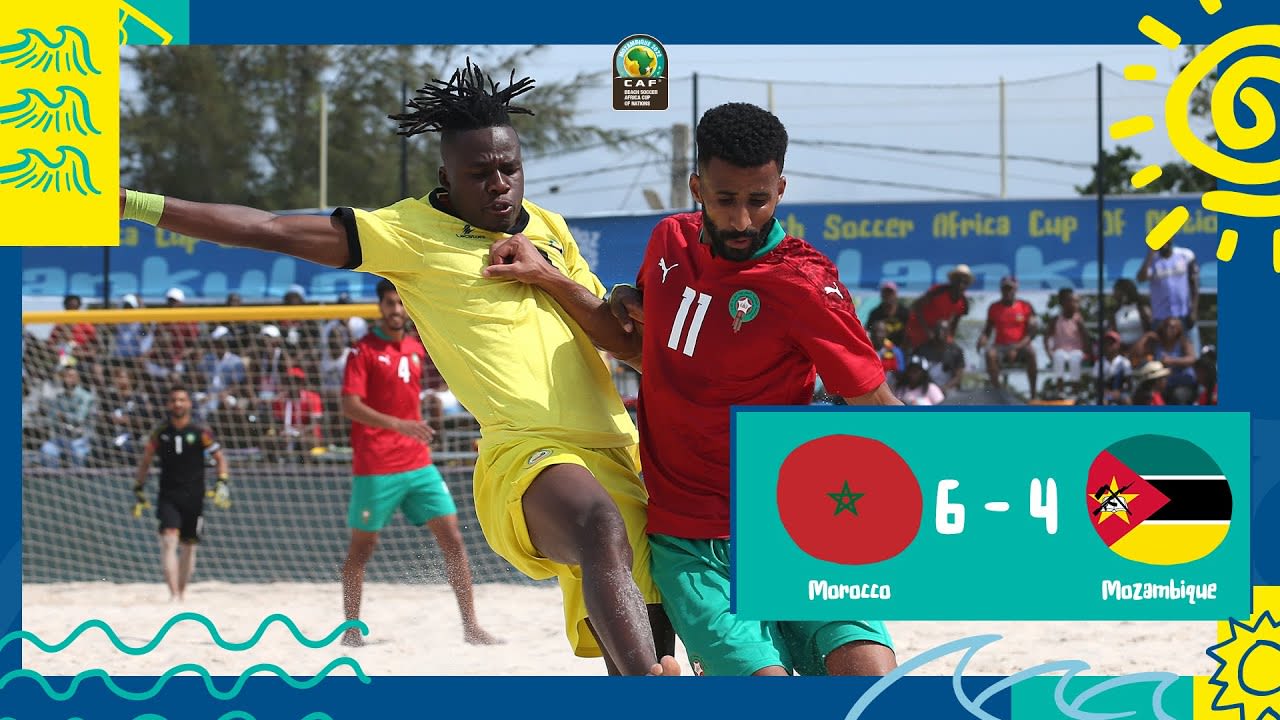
850, 647
358, 554
993, 366
374, 499
170, 517
188, 539
693, 576
573, 520
428, 501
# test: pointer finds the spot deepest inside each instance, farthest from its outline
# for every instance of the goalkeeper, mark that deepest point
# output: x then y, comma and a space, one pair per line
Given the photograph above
181, 445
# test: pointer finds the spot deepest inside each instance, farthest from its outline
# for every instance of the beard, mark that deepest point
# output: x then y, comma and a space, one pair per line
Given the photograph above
720, 238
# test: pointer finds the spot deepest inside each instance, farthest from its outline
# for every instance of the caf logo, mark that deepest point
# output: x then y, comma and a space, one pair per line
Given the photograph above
640, 74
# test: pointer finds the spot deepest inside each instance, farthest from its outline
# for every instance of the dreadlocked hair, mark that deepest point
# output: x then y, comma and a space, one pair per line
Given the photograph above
470, 100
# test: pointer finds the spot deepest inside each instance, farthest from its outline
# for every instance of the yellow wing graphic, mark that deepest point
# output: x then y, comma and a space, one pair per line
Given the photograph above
69, 113
36, 52
36, 172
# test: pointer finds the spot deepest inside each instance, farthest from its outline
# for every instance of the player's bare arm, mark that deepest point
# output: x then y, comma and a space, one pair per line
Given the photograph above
880, 396
627, 305
144, 466
517, 258
315, 238
354, 408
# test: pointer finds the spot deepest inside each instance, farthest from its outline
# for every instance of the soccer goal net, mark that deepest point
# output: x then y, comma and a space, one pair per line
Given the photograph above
269, 388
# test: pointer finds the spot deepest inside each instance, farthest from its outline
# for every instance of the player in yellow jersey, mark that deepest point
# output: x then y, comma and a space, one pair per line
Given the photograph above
557, 484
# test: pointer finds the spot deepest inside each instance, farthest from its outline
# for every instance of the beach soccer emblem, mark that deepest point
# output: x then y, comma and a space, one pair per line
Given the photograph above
640, 74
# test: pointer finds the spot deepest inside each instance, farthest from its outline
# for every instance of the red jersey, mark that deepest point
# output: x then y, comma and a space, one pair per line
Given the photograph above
1011, 322
722, 333
306, 409
938, 306
387, 376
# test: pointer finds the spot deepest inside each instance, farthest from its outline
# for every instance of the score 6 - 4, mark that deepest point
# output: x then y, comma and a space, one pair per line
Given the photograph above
949, 516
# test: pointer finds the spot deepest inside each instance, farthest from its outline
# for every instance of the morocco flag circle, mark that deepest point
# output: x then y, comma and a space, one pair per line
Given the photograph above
849, 500
1158, 500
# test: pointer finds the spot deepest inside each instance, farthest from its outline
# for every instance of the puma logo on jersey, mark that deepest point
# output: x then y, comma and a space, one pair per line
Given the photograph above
384, 359
662, 265
833, 289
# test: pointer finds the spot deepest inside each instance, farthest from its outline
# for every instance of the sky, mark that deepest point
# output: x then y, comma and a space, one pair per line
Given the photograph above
932, 99
922, 97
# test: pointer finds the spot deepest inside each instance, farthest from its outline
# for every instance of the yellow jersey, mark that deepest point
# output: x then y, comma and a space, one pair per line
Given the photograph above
511, 355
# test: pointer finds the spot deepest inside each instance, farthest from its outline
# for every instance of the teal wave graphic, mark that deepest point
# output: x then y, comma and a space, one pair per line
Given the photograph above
185, 617
110, 684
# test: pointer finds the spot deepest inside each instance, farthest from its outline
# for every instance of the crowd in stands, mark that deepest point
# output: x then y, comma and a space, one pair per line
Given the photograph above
1150, 349
271, 388
275, 387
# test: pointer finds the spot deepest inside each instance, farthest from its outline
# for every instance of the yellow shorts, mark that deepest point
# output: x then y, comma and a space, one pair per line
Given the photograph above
504, 472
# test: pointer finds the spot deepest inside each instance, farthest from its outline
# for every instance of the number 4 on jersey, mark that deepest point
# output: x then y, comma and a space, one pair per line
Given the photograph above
403, 369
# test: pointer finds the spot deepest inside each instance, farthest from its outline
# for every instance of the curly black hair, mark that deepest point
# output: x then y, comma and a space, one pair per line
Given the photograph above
741, 134
470, 100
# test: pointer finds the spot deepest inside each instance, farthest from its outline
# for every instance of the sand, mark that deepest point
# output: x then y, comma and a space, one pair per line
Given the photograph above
415, 630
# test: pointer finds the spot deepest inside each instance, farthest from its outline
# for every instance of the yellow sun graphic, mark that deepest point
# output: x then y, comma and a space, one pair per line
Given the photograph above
1231, 132
1248, 674
1110, 499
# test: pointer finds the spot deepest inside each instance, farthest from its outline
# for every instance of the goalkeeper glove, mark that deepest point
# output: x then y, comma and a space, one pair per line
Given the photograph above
140, 502
220, 493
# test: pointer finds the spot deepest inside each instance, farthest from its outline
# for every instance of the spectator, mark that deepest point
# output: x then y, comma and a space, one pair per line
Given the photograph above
226, 380
944, 359
242, 332
1171, 346
175, 342
78, 339
69, 417
301, 337
1013, 323
1131, 316
1174, 275
890, 355
299, 416
940, 304
1207, 376
1149, 381
125, 417
269, 363
1116, 369
916, 388
131, 340
335, 348
1065, 340
892, 313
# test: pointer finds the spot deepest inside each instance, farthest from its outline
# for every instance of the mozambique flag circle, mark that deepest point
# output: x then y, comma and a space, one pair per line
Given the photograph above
1158, 500
849, 500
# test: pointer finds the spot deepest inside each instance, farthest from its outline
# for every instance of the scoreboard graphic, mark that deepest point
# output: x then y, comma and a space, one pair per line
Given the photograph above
902, 514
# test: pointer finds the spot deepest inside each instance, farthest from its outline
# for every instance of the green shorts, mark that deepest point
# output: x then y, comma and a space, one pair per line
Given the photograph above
421, 494
693, 576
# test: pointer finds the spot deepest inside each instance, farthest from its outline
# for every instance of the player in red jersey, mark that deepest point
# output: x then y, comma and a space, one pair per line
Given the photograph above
738, 313
391, 461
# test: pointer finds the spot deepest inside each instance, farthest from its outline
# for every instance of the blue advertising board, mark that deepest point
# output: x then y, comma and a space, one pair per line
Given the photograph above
1048, 244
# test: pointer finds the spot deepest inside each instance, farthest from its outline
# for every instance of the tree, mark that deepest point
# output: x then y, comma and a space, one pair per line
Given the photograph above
242, 125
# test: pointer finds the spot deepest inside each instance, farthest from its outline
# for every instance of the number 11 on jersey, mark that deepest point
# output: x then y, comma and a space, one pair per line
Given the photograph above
691, 339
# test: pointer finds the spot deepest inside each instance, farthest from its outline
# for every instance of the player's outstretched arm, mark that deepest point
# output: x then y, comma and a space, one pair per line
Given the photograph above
880, 396
315, 238
517, 258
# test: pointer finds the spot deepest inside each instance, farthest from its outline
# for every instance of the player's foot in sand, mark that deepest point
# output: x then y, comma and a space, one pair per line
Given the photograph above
477, 636
666, 666
353, 638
